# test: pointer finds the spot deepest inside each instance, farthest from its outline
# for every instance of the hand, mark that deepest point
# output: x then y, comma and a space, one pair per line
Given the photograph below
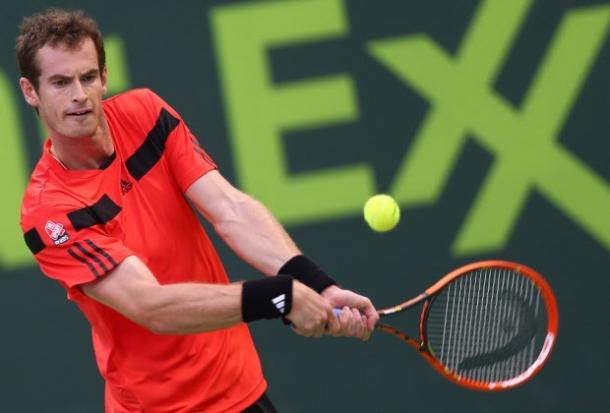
311, 314
358, 316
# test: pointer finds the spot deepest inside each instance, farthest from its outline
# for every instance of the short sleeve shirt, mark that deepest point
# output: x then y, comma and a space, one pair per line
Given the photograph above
80, 224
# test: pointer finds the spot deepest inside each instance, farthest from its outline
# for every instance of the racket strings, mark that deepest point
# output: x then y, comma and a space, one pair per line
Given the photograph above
488, 325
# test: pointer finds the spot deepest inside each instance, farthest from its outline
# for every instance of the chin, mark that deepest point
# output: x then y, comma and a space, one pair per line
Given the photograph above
78, 133
72, 134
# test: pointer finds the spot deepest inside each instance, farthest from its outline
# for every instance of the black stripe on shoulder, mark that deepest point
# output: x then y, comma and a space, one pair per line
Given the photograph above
33, 241
99, 213
149, 153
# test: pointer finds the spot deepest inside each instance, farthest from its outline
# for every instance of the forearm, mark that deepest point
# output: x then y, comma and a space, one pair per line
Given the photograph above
132, 290
243, 223
191, 307
256, 236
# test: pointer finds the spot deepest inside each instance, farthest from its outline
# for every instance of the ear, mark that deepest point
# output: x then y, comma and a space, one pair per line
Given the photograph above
104, 76
29, 92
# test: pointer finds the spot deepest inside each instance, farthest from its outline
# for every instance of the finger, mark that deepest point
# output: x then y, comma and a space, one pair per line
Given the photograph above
333, 325
346, 312
324, 321
372, 316
335, 329
341, 323
366, 334
362, 326
359, 321
311, 330
319, 330
356, 323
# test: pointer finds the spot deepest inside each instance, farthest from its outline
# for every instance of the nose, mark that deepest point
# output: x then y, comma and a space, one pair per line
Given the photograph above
78, 92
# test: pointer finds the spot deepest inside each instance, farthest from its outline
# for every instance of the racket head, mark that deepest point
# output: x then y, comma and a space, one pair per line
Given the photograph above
490, 325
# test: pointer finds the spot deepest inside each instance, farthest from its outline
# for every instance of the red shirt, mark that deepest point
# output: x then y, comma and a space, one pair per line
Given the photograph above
80, 224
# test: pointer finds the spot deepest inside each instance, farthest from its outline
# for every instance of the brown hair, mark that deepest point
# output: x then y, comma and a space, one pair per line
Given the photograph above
55, 27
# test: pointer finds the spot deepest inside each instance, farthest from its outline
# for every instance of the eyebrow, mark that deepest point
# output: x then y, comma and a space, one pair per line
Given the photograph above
62, 77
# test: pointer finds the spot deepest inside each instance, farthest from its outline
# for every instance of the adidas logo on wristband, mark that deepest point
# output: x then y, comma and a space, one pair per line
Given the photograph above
270, 297
280, 303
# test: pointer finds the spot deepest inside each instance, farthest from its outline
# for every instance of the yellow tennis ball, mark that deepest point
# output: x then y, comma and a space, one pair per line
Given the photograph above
381, 212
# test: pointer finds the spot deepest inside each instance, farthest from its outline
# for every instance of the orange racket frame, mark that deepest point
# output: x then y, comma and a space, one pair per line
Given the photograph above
421, 345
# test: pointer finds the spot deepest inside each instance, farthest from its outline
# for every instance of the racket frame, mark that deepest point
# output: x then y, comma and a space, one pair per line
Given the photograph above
428, 295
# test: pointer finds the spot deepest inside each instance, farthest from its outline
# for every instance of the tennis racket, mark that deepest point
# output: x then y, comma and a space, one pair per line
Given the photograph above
489, 325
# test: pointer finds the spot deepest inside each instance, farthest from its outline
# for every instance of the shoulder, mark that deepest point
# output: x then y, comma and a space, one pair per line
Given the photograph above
36, 188
46, 213
53, 211
46, 195
45, 200
133, 96
40, 191
138, 107
137, 102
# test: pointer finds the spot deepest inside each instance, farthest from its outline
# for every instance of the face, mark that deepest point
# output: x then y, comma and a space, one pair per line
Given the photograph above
70, 90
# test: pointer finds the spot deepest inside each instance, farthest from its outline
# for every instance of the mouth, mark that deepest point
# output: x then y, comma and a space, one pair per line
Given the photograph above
80, 113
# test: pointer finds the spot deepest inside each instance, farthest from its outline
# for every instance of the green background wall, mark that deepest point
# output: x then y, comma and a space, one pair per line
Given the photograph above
487, 120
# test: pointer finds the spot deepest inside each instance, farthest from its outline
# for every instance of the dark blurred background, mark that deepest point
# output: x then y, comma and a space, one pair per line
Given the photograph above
487, 120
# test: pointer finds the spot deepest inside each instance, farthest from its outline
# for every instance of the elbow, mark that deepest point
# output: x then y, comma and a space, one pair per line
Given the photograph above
160, 326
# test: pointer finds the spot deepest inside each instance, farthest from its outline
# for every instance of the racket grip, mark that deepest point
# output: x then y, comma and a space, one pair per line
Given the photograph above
337, 311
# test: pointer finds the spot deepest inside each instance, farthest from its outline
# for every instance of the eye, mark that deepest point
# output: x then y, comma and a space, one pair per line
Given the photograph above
89, 78
60, 83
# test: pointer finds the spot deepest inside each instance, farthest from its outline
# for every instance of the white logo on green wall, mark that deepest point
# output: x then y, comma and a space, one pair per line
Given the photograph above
527, 156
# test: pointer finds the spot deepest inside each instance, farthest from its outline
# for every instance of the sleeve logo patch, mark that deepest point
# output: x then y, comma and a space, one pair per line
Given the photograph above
56, 232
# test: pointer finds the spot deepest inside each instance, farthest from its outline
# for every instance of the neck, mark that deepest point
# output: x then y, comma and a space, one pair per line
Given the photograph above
86, 152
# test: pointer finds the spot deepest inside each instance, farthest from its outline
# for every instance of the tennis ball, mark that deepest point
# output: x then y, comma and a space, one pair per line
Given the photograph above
381, 212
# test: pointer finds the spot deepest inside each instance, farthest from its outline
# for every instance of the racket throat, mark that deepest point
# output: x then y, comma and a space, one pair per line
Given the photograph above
413, 342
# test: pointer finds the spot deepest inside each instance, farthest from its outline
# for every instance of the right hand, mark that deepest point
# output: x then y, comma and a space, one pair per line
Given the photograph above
311, 313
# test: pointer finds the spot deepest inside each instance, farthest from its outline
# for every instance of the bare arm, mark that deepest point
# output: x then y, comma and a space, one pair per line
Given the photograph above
184, 308
243, 223
256, 236
132, 290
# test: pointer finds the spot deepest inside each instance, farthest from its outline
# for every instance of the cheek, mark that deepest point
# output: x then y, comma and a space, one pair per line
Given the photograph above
99, 92
51, 109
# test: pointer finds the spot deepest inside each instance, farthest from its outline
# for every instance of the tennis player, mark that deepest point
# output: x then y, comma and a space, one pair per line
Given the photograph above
106, 214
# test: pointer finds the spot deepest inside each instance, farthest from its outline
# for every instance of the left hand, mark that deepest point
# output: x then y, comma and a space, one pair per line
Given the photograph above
358, 316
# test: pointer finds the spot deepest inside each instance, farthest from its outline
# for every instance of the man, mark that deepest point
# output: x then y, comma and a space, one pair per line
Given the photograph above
106, 216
